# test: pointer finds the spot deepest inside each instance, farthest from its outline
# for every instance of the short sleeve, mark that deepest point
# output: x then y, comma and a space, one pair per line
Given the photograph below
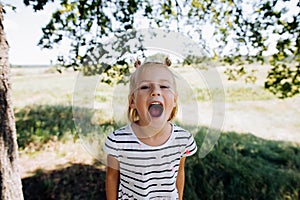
110, 146
191, 146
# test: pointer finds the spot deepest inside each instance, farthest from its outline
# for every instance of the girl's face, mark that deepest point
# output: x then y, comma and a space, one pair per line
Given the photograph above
155, 96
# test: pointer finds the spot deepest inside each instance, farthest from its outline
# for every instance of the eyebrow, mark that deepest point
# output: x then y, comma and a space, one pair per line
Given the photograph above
159, 81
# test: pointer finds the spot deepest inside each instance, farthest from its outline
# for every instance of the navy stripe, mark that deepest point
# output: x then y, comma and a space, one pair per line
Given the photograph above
162, 197
110, 147
168, 184
150, 172
147, 180
151, 165
134, 172
179, 131
145, 195
122, 134
123, 141
182, 137
153, 150
191, 151
143, 188
157, 172
140, 158
172, 154
189, 145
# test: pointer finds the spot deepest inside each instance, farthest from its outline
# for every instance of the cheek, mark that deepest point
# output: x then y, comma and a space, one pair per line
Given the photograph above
172, 99
139, 101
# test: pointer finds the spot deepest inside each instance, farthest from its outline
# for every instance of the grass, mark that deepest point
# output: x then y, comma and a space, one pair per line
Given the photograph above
250, 93
39, 87
36, 125
241, 166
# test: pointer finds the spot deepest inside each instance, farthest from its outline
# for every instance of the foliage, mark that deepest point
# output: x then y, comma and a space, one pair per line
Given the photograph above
39, 124
111, 74
244, 167
284, 78
241, 28
158, 57
200, 62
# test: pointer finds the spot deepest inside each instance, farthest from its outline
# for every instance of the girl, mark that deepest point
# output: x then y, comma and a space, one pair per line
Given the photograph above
145, 159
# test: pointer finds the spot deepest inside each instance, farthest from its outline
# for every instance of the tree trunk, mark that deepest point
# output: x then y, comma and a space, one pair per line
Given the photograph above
10, 181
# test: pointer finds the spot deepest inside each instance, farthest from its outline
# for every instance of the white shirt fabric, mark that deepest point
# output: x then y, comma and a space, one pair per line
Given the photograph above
149, 172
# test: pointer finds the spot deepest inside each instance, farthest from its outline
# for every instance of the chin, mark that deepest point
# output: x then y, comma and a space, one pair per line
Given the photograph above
158, 121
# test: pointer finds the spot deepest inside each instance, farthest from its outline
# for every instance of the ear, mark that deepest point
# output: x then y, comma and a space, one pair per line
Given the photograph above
131, 101
175, 100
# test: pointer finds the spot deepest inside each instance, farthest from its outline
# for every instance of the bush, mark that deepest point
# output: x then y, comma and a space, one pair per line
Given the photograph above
36, 125
39, 124
244, 167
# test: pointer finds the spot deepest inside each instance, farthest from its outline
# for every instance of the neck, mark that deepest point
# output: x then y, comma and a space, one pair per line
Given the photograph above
152, 136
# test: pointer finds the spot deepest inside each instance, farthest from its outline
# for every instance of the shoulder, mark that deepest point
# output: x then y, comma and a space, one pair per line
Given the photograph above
123, 135
179, 128
124, 131
185, 139
118, 139
181, 132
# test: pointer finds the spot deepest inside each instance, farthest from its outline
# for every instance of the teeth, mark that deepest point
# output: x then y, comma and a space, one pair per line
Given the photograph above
155, 103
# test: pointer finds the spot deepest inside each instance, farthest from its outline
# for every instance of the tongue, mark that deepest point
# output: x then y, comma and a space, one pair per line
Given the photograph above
155, 110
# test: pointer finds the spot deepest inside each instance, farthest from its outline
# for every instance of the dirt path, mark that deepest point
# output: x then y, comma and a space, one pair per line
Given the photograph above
273, 120
54, 155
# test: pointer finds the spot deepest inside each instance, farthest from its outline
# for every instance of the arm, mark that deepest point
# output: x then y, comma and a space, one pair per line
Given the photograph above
180, 178
112, 178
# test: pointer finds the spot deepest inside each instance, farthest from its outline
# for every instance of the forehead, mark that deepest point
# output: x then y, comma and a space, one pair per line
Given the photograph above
158, 73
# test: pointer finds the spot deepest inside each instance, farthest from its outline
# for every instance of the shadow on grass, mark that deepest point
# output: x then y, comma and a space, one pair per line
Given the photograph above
38, 124
241, 166
75, 182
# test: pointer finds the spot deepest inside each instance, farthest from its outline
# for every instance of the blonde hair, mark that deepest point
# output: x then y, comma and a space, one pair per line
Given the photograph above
132, 114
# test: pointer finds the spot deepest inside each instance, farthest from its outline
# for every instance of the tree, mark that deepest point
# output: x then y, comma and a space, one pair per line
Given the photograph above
247, 29
10, 181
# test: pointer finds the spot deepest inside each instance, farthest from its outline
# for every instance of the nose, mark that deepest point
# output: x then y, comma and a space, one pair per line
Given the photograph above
155, 91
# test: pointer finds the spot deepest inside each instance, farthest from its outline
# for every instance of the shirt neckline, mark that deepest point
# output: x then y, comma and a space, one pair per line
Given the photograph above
149, 146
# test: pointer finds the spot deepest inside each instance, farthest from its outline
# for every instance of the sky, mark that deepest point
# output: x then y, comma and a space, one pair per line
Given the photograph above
23, 30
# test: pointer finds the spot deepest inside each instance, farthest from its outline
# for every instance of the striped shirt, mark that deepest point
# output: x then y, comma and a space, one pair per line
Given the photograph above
149, 172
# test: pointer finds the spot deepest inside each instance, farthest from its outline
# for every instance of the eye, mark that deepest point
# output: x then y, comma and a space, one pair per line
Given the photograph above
144, 87
164, 87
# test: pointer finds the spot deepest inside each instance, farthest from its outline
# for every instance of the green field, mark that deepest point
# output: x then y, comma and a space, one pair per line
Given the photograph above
256, 157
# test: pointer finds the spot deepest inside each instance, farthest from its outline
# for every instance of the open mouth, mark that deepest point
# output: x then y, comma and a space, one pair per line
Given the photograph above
155, 109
